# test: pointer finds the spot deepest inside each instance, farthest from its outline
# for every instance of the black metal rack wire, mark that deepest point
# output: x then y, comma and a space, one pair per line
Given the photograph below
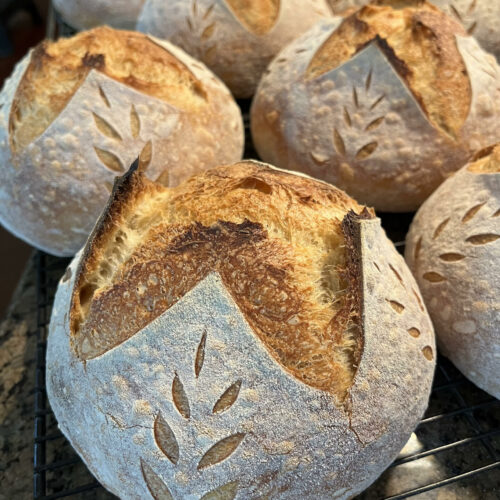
457, 441
462, 421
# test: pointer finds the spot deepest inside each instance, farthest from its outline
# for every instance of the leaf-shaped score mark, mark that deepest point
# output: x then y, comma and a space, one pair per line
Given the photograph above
228, 398
180, 398
398, 276
440, 228
135, 122
208, 32
427, 352
156, 486
434, 277
200, 355
419, 300
145, 156
208, 11
109, 160
482, 239
451, 257
106, 128
165, 439
221, 450
470, 214
414, 332
366, 151
338, 142
399, 308
375, 123
104, 97
225, 492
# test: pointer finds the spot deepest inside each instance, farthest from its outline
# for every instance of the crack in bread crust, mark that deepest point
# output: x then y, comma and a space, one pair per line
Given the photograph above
420, 42
486, 161
302, 302
258, 16
57, 69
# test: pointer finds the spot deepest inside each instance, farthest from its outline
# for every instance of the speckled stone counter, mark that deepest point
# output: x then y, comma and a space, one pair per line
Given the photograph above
446, 424
17, 380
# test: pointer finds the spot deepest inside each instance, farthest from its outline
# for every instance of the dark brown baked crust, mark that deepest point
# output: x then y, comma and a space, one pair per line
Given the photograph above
420, 42
301, 297
57, 69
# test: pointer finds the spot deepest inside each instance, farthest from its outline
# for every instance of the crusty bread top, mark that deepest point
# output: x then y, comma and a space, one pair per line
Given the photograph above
283, 245
57, 69
486, 161
258, 16
420, 42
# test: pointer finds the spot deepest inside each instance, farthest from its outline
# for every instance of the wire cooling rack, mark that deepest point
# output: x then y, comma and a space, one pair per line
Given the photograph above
458, 440
453, 453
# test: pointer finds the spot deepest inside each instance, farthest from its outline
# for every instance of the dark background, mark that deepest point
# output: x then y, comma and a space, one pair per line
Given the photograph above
22, 25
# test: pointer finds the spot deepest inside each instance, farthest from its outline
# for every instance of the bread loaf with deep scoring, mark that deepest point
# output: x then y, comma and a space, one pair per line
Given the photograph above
248, 333
77, 112
453, 249
87, 14
385, 104
236, 39
479, 17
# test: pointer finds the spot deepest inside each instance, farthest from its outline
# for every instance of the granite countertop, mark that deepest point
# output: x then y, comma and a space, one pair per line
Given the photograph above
17, 381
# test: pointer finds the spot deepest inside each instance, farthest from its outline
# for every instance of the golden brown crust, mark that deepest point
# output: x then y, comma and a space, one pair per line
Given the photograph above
294, 279
57, 69
126, 192
486, 161
258, 16
420, 42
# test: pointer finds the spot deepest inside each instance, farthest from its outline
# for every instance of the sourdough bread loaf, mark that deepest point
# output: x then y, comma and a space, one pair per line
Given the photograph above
453, 249
86, 14
76, 112
235, 38
385, 104
248, 333
480, 18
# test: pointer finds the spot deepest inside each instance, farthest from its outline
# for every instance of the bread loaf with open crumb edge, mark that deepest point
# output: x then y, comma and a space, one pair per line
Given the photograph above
77, 111
87, 14
236, 39
385, 104
453, 249
249, 333
479, 17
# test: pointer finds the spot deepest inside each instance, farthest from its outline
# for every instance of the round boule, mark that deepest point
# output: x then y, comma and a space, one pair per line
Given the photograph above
385, 104
236, 39
248, 333
453, 249
77, 112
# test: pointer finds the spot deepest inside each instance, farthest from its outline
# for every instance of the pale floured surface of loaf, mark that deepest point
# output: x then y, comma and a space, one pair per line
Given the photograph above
419, 40
291, 277
86, 14
203, 401
362, 127
237, 39
453, 249
53, 188
57, 69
